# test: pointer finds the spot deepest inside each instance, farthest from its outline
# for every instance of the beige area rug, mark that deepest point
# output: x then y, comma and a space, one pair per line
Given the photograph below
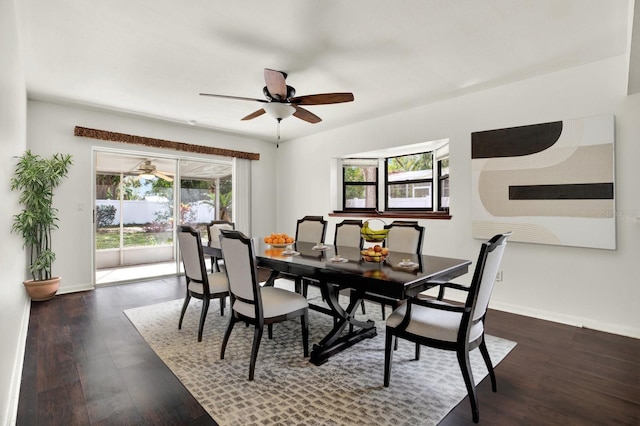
289, 390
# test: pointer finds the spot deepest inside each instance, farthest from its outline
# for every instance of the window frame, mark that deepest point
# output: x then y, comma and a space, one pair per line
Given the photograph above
345, 184
388, 184
441, 179
439, 150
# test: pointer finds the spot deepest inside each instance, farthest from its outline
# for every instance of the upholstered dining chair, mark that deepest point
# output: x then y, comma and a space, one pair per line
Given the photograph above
213, 232
252, 303
200, 284
309, 229
446, 326
406, 237
347, 234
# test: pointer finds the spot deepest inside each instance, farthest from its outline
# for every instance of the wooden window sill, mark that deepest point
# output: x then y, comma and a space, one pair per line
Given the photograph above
392, 214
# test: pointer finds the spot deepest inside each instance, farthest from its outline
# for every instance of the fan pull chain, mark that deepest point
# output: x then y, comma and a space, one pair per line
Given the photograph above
278, 141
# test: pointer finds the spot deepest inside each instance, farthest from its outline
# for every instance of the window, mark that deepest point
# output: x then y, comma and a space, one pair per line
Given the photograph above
442, 160
360, 179
409, 182
443, 184
413, 179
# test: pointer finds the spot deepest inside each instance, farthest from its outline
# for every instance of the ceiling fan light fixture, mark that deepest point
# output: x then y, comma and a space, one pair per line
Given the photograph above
147, 176
278, 110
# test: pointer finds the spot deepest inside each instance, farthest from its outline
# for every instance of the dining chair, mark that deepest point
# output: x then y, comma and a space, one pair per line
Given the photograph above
347, 234
309, 229
252, 303
200, 284
405, 237
452, 327
213, 232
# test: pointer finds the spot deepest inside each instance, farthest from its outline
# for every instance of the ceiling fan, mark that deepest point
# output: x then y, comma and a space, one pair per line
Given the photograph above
281, 101
147, 170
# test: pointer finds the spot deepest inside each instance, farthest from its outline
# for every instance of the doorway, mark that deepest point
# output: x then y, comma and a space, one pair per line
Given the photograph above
138, 199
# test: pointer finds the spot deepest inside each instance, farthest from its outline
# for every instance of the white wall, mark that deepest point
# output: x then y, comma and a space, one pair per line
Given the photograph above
50, 129
14, 303
595, 288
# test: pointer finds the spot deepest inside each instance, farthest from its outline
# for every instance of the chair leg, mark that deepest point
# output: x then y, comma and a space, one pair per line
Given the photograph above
393, 308
270, 331
184, 310
227, 333
383, 312
467, 375
362, 307
203, 316
417, 351
441, 293
489, 364
388, 357
304, 322
223, 301
257, 336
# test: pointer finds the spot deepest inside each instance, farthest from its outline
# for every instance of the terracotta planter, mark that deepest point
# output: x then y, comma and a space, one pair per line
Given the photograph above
42, 290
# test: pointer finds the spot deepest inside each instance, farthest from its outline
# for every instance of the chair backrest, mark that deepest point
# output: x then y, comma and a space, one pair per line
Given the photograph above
311, 229
348, 233
240, 264
484, 276
404, 236
214, 228
192, 255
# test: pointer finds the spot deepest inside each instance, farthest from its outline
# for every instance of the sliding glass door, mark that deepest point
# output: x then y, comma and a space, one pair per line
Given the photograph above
139, 199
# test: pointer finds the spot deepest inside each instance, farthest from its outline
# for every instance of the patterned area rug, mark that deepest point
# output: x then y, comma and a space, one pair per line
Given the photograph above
289, 390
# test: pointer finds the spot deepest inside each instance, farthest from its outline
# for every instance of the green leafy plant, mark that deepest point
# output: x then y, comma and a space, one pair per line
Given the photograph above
35, 178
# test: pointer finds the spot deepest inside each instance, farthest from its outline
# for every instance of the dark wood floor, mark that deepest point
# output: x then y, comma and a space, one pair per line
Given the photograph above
86, 364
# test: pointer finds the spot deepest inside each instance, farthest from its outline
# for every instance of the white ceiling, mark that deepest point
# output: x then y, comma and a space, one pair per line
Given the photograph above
153, 57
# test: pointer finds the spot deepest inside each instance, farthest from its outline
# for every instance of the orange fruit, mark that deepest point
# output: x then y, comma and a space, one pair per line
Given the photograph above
288, 240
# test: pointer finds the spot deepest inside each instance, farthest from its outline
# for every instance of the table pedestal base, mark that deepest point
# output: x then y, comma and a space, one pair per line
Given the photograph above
335, 342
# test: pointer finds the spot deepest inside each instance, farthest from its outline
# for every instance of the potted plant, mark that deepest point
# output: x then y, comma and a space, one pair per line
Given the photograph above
35, 178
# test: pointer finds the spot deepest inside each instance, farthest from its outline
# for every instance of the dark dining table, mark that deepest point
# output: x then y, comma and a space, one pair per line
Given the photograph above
333, 268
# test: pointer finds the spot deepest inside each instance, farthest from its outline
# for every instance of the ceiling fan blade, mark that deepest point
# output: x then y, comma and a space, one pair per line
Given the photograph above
239, 98
322, 99
163, 176
253, 115
305, 115
276, 84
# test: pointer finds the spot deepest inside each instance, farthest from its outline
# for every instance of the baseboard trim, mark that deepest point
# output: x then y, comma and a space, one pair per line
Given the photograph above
18, 364
567, 319
76, 288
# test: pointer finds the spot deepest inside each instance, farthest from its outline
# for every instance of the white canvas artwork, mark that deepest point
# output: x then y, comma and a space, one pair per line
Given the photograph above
549, 183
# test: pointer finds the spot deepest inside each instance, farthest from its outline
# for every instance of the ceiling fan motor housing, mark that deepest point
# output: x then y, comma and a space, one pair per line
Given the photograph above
291, 92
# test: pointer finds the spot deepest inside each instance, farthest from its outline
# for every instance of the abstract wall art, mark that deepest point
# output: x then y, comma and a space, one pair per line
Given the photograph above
549, 183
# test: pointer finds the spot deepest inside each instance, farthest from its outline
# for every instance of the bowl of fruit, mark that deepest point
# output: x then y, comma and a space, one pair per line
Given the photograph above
375, 254
372, 235
279, 240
